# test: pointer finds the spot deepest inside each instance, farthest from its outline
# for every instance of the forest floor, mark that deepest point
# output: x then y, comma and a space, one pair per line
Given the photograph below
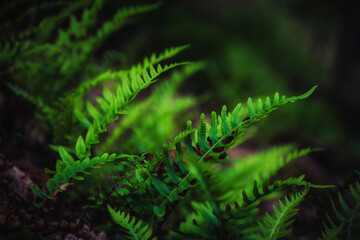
19, 219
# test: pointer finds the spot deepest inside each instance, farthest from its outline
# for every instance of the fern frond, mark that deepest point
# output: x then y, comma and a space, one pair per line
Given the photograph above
31, 11
202, 223
118, 21
241, 220
256, 194
155, 59
348, 214
238, 220
88, 19
38, 102
131, 228
43, 29
126, 75
257, 167
224, 131
9, 52
111, 103
275, 226
68, 169
330, 233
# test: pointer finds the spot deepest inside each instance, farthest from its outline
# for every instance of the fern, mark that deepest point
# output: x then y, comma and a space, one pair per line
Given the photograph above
118, 21
238, 220
59, 62
146, 180
257, 167
42, 29
212, 144
111, 103
131, 228
203, 227
160, 122
185, 167
330, 233
126, 75
111, 108
276, 226
349, 217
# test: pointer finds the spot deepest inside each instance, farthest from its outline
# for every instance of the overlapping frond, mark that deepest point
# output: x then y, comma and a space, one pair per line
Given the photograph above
211, 143
111, 106
256, 167
240, 220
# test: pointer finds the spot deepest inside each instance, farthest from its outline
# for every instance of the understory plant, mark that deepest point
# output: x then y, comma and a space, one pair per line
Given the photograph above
121, 151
